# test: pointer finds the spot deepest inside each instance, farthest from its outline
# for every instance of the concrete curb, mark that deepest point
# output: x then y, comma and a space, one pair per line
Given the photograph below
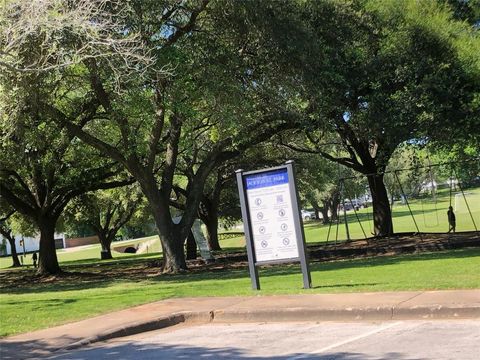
348, 314
284, 315
143, 326
304, 314
437, 312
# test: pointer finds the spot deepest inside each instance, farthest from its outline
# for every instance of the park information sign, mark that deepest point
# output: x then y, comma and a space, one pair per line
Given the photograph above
272, 221
273, 228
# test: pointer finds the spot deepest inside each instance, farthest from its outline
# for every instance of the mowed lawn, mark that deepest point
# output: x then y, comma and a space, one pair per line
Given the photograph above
89, 253
29, 306
34, 306
429, 214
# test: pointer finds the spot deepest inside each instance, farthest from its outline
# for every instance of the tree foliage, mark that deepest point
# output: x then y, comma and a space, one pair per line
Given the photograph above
105, 213
390, 72
42, 165
189, 89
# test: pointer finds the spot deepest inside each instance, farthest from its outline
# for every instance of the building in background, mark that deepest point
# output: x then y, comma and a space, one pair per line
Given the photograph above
28, 244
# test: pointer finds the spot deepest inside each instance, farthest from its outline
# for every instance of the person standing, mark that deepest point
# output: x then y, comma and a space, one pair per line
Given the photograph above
451, 219
34, 259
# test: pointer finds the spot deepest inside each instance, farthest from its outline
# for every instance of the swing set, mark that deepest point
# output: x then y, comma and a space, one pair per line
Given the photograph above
343, 195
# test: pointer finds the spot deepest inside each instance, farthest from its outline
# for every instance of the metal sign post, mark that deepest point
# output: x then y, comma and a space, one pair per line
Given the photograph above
271, 217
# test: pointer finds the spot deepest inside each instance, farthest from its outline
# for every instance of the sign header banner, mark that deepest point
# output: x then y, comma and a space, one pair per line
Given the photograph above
267, 179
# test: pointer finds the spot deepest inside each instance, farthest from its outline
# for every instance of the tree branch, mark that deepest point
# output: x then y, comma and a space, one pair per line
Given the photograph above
95, 142
17, 203
171, 156
23, 185
6, 217
298, 149
157, 129
188, 26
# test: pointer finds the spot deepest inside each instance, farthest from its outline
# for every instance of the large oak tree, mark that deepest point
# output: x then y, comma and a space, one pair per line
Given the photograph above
380, 73
42, 165
204, 113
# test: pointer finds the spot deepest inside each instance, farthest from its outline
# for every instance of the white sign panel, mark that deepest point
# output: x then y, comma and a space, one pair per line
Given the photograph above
271, 215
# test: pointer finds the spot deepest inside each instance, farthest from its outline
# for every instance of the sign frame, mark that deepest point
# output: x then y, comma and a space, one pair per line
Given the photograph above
297, 220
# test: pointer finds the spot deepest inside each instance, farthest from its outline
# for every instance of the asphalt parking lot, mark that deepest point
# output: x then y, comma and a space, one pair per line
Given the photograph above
439, 339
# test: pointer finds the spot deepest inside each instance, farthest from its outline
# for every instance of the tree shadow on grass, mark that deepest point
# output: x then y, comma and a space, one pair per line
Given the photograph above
217, 271
76, 277
111, 262
31, 283
349, 285
294, 269
42, 303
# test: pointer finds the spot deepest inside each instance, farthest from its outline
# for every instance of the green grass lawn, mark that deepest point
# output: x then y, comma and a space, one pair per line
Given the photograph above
34, 306
89, 252
430, 216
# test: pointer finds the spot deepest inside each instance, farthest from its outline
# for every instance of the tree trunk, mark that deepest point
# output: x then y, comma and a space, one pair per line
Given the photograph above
173, 254
47, 261
208, 213
191, 247
106, 252
211, 223
324, 211
13, 248
333, 204
171, 241
170, 237
7, 234
317, 208
382, 216
311, 198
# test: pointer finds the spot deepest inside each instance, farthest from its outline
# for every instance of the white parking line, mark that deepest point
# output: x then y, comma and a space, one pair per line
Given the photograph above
355, 338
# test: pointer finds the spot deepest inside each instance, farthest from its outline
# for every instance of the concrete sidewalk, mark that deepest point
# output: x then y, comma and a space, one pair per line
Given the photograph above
455, 304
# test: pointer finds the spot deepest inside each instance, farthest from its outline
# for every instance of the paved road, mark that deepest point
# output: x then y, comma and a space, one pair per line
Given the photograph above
453, 339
